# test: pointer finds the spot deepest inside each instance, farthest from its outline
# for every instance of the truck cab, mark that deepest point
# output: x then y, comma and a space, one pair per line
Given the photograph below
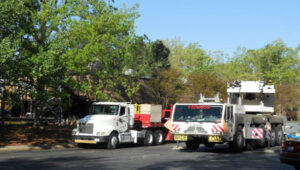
204, 122
105, 120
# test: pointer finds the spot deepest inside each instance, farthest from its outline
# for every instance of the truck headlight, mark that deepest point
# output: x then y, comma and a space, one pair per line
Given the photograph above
100, 133
74, 131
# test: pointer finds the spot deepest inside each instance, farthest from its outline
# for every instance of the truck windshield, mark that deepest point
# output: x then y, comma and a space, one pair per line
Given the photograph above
105, 109
197, 113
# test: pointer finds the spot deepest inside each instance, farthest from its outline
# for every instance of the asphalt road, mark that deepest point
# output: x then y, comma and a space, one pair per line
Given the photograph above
154, 157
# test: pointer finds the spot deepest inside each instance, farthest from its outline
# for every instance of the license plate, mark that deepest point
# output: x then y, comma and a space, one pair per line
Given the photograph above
180, 137
214, 139
290, 148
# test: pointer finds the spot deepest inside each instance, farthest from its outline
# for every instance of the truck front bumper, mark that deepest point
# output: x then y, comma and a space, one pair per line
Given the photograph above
90, 139
200, 137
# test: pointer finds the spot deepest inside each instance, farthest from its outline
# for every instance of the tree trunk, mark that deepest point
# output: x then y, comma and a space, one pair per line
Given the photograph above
36, 111
2, 105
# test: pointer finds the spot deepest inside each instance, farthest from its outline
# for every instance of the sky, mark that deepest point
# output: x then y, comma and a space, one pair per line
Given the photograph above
219, 25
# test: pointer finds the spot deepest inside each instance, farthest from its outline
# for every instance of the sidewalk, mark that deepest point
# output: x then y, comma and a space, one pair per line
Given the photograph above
31, 148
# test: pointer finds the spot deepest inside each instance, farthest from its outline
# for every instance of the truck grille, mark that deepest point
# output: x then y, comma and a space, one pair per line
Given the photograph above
86, 128
192, 129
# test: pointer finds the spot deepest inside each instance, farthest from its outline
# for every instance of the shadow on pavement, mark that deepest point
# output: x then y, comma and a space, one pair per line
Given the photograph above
226, 161
73, 162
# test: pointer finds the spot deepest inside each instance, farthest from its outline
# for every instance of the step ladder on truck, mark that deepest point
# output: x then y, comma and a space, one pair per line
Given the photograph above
247, 119
115, 123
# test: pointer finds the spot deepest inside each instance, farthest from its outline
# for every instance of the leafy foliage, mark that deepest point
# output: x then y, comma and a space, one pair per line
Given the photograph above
168, 86
275, 61
50, 48
208, 84
190, 58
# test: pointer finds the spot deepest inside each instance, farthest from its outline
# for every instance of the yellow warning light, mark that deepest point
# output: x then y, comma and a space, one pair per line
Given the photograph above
221, 99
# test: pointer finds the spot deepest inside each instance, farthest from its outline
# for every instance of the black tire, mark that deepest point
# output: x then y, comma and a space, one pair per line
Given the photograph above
237, 144
113, 141
261, 142
273, 136
251, 144
149, 139
209, 144
192, 145
158, 137
279, 135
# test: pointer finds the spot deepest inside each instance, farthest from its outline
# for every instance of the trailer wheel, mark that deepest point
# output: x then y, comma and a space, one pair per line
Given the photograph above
279, 135
158, 137
148, 140
192, 144
273, 136
261, 142
238, 141
113, 141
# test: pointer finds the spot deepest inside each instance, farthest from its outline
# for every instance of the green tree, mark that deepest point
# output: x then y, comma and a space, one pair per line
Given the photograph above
160, 55
49, 44
235, 68
275, 61
287, 98
16, 25
100, 38
168, 86
208, 84
190, 58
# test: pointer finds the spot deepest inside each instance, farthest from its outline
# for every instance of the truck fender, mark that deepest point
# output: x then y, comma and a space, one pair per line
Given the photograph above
278, 120
259, 120
109, 130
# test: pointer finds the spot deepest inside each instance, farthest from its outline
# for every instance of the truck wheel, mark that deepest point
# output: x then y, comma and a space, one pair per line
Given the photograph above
192, 145
113, 141
279, 135
273, 137
158, 137
209, 144
261, 142
148, 141
238, 141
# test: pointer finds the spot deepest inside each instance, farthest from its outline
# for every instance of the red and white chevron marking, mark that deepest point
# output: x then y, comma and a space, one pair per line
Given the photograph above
217, 128
257, 133
175, 127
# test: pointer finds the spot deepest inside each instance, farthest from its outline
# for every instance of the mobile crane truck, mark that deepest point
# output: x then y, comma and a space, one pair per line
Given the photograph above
247, 118
114, 123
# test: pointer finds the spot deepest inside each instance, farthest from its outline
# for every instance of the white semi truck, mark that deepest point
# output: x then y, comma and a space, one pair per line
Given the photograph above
114, 123
247, 118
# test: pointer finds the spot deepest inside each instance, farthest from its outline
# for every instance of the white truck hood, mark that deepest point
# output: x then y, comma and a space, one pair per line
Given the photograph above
102, 120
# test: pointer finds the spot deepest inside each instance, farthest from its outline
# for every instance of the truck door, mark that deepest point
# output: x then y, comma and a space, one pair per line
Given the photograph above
228, 117
123, 119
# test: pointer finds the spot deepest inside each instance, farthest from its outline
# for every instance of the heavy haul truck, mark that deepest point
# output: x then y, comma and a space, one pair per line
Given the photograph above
114, 123
247, 118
